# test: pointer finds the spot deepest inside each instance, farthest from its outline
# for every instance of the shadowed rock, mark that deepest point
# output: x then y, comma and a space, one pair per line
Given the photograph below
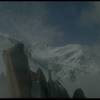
79, 93
39, 86
55, 89
18, 71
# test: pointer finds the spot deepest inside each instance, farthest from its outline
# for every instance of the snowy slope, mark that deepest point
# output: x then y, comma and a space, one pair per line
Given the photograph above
69, 61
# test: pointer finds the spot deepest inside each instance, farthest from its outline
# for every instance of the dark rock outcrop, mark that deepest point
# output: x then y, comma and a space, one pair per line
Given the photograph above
18, 71
55, 89
43, 83
39, 85
79, 93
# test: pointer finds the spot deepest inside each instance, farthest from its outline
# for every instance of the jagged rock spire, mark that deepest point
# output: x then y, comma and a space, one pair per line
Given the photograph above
43, 83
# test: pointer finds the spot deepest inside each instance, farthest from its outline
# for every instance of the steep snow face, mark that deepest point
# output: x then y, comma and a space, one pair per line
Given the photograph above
69, 61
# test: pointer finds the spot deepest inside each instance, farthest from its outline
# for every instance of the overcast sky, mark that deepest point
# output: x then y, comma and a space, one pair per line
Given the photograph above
57, 22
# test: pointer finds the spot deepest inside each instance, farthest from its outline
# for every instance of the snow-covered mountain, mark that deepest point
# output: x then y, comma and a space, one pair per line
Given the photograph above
69, 61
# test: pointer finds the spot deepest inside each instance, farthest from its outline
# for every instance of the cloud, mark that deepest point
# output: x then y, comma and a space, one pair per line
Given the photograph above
28, 22
91, 16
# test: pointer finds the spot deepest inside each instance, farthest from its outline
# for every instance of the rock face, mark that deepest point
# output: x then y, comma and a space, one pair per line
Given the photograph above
79, 93
4, 87
43, 83
39, 85
41, 88
55, 89
18, 71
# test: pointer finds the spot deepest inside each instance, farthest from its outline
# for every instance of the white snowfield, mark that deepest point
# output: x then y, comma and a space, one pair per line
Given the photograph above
71, 60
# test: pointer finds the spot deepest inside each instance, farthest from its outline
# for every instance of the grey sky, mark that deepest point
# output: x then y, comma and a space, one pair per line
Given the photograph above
57, 23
